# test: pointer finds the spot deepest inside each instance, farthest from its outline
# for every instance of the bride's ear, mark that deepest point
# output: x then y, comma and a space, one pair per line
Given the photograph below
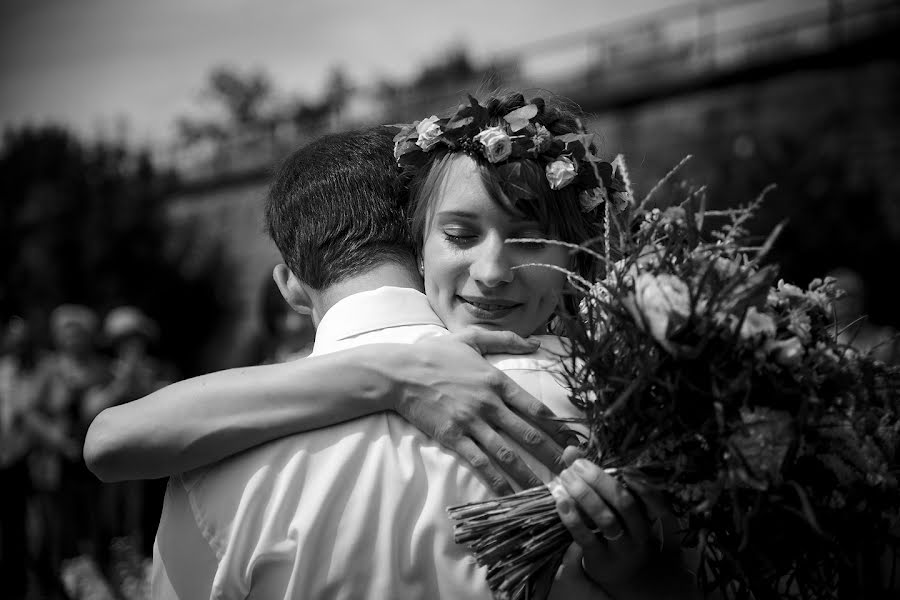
294, 291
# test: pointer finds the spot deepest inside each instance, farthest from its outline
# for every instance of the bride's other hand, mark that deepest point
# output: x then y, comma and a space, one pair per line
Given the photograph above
451, 393
605, 519
624, 534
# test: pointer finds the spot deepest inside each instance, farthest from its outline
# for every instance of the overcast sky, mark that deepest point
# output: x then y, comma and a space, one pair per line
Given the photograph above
86, 63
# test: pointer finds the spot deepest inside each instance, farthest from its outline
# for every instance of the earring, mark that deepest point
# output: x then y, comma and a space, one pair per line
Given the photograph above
421, 267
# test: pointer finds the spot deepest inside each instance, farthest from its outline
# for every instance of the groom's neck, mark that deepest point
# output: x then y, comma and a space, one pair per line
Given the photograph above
385, 274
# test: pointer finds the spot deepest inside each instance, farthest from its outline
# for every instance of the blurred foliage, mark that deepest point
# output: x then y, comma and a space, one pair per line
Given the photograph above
243, 96
242, 99
454, 66
85, 223
246, 102
834, 199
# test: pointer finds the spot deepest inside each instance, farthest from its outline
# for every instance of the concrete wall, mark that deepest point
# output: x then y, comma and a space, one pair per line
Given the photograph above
230, 217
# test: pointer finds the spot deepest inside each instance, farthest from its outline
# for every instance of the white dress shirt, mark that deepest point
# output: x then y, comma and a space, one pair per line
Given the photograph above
355, 510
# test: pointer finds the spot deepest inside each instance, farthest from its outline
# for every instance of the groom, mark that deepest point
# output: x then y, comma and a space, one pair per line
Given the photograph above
356, 510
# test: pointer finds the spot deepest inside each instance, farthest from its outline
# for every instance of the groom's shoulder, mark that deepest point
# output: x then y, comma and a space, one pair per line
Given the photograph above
553, 350
552, 347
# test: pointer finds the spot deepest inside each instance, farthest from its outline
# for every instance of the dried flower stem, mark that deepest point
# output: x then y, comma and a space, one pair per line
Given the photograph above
662, 182
569, 274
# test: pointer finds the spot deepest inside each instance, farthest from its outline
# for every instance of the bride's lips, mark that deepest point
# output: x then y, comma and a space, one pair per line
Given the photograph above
488, 308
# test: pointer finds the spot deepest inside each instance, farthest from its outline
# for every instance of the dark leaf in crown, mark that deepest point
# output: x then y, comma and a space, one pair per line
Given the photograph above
520, 179
456, 122
412, 160
478, 112
586, 178
555, 148
605, 171
406, 132
521, 148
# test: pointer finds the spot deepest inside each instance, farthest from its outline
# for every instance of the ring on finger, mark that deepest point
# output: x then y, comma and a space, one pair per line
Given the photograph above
611, 538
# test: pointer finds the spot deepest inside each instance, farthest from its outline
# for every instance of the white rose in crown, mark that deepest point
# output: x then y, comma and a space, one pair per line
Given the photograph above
561, 172
429, 133
663, 301
495, 143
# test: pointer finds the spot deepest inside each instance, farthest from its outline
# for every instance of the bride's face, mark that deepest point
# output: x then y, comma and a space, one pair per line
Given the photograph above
470, 272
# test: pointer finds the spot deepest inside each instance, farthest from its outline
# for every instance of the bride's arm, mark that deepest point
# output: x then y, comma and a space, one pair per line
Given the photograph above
443, 387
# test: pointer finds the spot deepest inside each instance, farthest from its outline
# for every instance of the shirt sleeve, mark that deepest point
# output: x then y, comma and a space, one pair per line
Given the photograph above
184, 564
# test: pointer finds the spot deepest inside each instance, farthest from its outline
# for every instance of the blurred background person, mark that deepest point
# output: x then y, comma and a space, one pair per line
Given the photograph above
19, 382
67, 493
854, 326
129, 510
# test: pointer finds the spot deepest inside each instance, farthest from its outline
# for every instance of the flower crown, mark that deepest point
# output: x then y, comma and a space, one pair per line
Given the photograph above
568, 160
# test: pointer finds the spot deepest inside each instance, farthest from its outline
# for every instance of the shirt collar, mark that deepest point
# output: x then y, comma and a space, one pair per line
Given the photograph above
373, 310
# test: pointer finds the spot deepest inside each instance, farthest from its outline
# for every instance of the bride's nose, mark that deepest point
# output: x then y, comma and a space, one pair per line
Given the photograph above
492, 265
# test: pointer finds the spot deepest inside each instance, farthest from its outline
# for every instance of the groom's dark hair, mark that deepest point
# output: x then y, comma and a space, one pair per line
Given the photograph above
336, 207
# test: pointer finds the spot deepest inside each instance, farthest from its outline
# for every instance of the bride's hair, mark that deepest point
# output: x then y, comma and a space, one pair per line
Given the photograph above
559, 212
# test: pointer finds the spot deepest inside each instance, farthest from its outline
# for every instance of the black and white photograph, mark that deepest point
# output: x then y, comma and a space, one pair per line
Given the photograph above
507, 300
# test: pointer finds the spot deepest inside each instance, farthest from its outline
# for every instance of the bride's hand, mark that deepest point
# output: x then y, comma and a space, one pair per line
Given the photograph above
606, 520
626, 535
456, 397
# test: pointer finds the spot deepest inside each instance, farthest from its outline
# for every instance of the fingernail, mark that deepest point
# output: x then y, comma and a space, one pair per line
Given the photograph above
565, 506
581, 466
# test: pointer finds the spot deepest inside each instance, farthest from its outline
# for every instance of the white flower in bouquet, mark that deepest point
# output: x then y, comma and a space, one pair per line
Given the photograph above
788, 352
775, 444
649, 219
663, 302
822, 292
725, 268
757, 324
800, 324
790, 290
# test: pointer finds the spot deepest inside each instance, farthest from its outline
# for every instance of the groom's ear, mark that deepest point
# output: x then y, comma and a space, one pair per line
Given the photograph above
294, 291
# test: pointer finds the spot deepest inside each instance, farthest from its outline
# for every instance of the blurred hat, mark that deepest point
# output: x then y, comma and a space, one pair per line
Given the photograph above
66, 315
128, 320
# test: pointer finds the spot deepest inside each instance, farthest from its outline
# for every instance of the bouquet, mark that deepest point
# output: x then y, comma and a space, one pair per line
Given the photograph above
705, 377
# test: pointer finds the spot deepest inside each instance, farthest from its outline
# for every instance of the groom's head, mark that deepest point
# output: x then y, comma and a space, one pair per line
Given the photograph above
336, 210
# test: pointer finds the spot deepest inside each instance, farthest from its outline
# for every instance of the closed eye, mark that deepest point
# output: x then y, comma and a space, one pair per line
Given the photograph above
459, 237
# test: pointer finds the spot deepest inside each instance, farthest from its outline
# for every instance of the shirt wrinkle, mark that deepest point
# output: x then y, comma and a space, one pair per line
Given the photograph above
358, 509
